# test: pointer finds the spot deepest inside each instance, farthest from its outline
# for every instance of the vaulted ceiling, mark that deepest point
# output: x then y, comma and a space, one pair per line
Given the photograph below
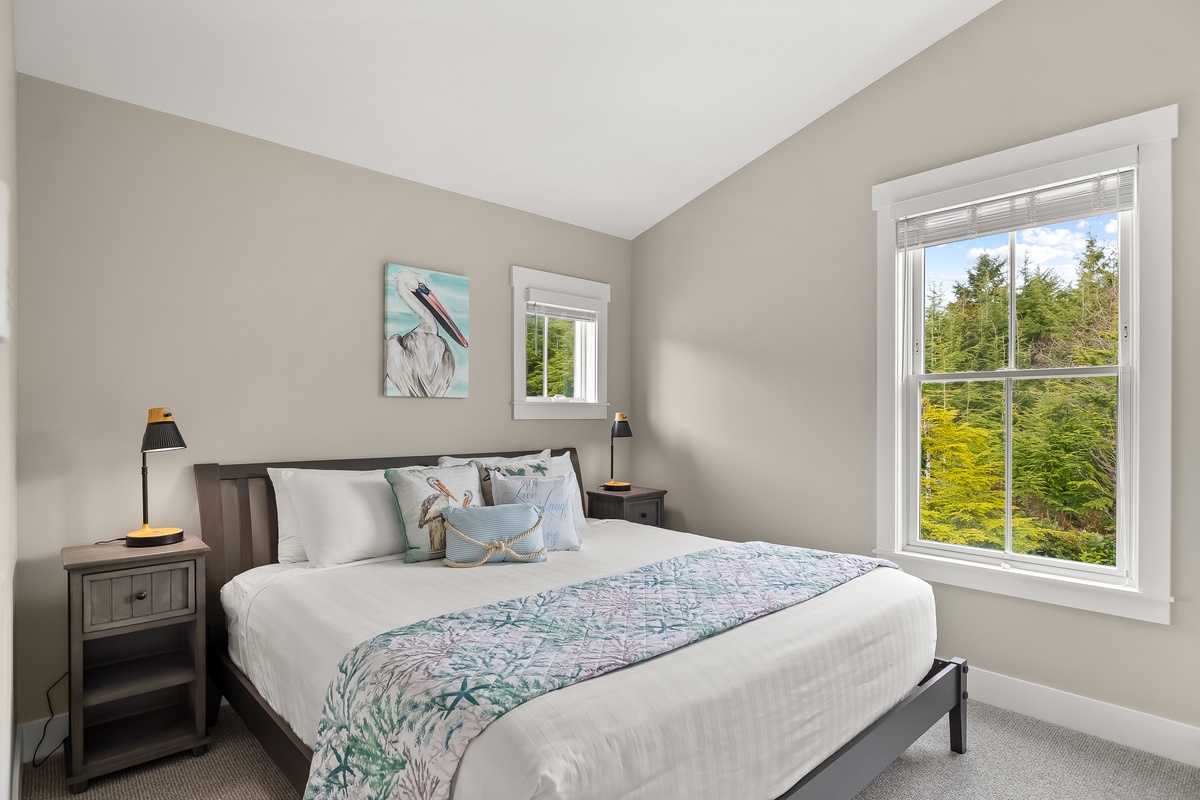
610, 115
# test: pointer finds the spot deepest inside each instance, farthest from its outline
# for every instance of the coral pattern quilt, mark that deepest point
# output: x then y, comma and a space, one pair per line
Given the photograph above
404, 705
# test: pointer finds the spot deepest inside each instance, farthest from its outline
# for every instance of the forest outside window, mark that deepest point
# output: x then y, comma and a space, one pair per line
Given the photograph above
1018, 376
560, 346
1024, 370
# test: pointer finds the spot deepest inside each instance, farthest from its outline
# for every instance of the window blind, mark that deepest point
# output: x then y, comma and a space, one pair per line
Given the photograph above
1100, 194
559, 312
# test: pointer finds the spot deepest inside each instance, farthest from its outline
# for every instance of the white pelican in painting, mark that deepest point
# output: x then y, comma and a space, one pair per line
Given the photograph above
431, 515
419, 363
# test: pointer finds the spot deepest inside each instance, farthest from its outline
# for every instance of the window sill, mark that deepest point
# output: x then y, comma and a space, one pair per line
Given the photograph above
1120, 601
552, 410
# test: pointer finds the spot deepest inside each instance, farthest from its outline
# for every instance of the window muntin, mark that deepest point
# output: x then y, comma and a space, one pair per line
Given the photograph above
1017, 459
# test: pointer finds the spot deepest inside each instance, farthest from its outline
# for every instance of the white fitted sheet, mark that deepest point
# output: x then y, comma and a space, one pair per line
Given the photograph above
744, 714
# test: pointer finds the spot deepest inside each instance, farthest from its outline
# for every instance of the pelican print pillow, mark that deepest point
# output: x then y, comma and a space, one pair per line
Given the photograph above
421, 495
551, 496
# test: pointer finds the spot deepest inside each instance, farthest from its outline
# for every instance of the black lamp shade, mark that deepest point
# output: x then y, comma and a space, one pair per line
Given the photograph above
161, 433
620, 428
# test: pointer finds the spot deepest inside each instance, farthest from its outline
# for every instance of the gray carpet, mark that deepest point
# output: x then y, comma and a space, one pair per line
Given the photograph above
1010, 757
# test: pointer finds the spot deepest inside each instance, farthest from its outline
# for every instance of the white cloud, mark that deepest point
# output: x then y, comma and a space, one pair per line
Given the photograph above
1111, 227
995, 252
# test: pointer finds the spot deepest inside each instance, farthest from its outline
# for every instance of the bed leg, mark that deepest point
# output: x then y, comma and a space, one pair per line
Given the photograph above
958, 714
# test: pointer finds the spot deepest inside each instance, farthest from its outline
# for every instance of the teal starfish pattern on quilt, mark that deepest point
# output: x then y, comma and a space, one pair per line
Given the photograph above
404, 705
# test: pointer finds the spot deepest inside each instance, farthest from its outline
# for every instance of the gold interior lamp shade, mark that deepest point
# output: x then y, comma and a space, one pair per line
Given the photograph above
161, 434
620, 430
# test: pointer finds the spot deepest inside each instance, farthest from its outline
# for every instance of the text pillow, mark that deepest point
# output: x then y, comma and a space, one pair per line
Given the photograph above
552, 498
539, 468
342, 515
421, 494
489, 534
561, 465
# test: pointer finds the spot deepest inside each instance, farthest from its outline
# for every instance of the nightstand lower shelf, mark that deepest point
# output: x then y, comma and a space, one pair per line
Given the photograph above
159, 732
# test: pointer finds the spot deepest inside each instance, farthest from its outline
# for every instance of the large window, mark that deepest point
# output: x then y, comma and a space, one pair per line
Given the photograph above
560, 335
1030, 337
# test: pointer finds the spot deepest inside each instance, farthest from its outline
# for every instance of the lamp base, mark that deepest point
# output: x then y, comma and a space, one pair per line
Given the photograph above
616, 486
153, 537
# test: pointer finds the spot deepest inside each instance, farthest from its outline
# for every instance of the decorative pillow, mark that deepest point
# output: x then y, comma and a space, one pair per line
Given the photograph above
420, 494
552, 498
454, 461
561, 465
528, 469
500, 533
341, 515
290, 549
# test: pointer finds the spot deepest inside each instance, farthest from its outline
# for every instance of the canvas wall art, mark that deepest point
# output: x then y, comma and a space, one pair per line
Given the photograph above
426, 322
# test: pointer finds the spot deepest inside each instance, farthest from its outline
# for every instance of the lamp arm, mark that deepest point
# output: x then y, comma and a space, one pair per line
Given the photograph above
145, 500
612, 454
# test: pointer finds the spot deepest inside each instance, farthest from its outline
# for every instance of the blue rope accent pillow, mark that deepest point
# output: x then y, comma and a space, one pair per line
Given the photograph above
487, 534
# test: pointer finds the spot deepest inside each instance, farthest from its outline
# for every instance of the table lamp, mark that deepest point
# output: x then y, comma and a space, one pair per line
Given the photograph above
161, 434
620, 430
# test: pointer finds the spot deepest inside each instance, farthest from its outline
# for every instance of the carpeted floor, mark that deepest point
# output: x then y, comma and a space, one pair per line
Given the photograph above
1010, 757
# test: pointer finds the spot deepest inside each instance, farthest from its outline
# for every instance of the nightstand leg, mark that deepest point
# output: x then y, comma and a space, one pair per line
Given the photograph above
76, 788
212, 702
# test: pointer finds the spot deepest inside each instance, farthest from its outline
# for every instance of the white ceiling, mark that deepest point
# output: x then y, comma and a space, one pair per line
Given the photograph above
609, 114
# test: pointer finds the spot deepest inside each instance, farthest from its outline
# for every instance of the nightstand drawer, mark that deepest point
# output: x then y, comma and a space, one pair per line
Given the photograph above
141, 594
646, 512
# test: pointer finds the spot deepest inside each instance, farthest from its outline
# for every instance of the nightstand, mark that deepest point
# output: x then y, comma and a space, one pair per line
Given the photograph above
639, 504
137, 655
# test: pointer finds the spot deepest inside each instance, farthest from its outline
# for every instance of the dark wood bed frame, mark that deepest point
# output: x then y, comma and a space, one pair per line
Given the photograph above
238, 521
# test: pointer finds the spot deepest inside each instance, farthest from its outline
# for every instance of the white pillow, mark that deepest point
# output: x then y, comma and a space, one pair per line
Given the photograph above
561, 465
290, 548
453, 461
551, 497
342, 515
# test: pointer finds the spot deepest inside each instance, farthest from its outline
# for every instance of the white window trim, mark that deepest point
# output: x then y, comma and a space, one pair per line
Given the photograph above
1144, 139
570, 292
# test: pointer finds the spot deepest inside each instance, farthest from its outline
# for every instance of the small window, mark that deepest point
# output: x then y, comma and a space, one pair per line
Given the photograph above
560, 335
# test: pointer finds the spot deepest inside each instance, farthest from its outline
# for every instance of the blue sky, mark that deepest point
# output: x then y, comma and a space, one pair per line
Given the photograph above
1056, 247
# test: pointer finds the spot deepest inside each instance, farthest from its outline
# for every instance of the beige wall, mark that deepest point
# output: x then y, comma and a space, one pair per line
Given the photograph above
754, 313
240, 283
8, 517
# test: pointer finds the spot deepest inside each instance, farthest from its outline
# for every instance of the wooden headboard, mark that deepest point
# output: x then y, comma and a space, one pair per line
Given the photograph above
239, 521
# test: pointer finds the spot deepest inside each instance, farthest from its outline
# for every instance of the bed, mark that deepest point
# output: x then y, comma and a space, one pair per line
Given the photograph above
833, 753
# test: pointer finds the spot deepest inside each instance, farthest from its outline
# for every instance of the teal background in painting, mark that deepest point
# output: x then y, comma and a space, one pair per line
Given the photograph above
454, 293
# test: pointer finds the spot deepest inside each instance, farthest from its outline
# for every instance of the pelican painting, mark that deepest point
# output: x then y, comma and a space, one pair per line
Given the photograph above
426, 317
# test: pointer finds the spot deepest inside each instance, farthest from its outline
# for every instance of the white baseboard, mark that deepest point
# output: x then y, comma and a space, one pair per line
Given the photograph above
1163, 737
28, 734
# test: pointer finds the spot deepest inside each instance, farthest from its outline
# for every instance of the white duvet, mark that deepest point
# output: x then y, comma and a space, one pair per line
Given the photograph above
739, 716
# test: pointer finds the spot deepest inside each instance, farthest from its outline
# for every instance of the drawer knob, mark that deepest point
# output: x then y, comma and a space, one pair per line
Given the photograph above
140, 595
644, 515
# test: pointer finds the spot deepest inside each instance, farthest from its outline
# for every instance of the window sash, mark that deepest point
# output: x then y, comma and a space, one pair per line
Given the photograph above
911, 261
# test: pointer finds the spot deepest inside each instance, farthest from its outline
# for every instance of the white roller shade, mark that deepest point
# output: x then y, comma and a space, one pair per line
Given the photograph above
1106, 193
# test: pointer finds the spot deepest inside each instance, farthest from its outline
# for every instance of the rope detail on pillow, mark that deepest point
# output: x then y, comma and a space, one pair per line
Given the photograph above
494, 548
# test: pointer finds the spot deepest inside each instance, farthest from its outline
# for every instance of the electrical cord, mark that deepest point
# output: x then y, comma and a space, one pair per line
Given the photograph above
50, 706
109, 541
